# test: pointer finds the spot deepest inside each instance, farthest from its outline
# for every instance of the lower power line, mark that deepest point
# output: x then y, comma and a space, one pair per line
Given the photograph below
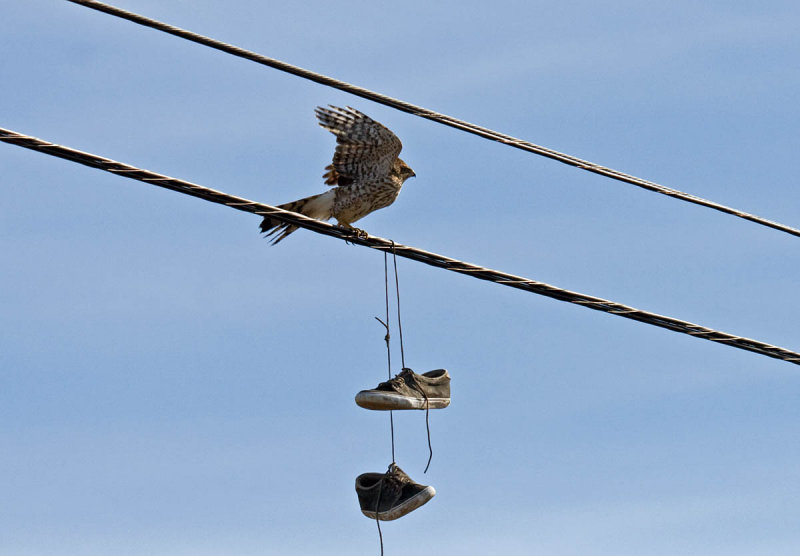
432, 259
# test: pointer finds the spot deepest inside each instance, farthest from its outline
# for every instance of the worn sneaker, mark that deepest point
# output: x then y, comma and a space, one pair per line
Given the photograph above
408, 390
390, 495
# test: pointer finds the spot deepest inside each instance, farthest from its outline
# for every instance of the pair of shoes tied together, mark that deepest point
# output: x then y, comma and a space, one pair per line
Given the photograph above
391, 495
408, 390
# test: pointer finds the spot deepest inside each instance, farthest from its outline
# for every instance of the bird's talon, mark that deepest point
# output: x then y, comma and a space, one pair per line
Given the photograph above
356, 232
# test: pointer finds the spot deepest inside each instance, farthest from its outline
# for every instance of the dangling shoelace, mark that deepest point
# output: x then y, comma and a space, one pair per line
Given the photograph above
407, 376
394, 484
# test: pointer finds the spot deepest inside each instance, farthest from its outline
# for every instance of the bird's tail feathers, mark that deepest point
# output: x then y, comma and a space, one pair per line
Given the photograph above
317, 206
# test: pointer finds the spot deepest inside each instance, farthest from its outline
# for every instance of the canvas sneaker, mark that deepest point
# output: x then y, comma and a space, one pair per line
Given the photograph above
408, 390
388, 496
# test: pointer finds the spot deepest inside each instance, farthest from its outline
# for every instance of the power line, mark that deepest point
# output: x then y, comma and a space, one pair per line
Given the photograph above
432, 259
431, 115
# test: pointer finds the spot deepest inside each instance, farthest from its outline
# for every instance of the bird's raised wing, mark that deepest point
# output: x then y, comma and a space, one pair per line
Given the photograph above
365, 149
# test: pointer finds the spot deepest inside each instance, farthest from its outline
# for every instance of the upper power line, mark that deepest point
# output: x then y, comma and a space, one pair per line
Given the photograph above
431, 115
432, 259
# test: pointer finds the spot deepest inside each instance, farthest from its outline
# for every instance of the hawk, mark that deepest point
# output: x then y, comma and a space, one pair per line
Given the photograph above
366, 173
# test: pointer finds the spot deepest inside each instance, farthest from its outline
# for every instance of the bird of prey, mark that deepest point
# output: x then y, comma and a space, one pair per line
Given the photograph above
366, 173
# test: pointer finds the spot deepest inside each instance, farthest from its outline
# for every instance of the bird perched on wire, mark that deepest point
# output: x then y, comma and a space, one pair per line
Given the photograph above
366, 173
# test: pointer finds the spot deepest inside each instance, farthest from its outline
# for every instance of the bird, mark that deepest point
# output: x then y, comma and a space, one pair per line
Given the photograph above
366, 173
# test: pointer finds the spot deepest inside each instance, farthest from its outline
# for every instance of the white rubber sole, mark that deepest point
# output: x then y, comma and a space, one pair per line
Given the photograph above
386, 401
406, 507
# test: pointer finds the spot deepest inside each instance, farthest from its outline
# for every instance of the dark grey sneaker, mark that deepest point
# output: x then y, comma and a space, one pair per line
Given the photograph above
390, 495
408, 390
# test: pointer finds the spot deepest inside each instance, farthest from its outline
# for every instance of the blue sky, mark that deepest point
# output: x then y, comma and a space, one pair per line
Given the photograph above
171, 384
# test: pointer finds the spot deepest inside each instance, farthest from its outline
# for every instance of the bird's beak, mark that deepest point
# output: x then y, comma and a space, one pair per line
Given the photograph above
413, 175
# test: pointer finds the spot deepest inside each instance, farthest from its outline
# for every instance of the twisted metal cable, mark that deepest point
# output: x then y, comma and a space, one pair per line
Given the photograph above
413, 253
431, 115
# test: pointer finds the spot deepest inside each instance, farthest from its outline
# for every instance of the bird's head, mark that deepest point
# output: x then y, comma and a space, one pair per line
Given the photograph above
403, 170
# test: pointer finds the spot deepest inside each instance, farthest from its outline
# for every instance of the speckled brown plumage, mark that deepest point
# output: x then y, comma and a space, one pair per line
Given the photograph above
366, 173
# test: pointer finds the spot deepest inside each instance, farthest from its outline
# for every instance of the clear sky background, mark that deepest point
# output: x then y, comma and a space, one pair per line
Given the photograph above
170, 384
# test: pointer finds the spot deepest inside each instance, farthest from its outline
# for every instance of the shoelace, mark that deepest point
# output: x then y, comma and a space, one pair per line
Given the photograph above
406, 376
409, 374
393, 479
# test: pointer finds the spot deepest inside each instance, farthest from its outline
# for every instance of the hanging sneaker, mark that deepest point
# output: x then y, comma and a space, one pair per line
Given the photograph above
390, 495
408, 390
